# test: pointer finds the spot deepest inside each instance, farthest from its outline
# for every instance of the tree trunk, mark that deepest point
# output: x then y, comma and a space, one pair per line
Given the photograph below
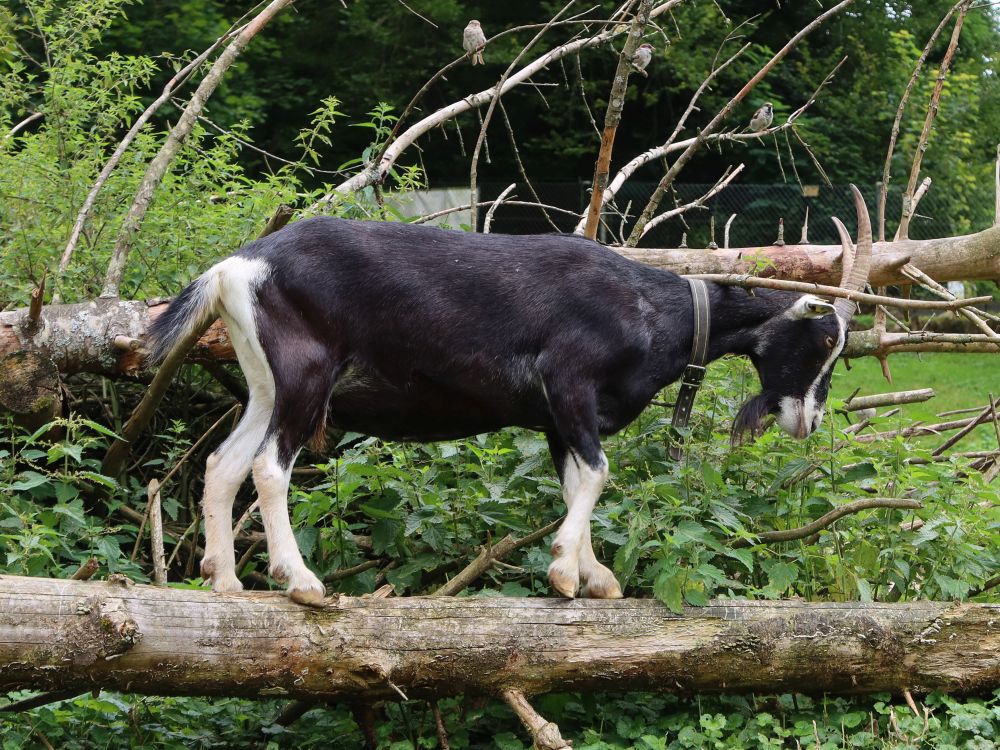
962, 258
78, 635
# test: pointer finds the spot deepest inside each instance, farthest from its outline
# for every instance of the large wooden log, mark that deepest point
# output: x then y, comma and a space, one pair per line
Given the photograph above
77, 635
961, 258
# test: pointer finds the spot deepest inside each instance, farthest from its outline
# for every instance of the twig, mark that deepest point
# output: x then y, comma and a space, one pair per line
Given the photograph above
23, 124
487, 555
788, 535
169, 475
520, 165
884, 184
925, 185
889, 399
35, 307
712, 126
279, 219
496, 204
719, 186
465, 207
917, 430
442, 734
497, 93
178, 134
987, 414
544, 734
86, 571
937, 289
156, 533
725, 231
339, 575
804, 237
613, 116
932, 109
731, 279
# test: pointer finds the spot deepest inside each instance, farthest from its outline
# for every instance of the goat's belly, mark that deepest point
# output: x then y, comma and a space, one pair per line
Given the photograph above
424, 412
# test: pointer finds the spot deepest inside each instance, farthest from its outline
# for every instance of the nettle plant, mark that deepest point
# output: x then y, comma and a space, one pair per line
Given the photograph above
683, 532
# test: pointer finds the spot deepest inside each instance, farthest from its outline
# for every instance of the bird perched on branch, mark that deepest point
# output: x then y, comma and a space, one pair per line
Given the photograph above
473, 40
641, 57
761, 119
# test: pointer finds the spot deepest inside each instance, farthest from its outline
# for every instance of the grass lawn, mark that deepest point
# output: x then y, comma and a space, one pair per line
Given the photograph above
959, 381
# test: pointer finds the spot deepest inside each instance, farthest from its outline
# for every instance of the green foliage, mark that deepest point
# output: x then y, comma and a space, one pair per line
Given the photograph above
422, 511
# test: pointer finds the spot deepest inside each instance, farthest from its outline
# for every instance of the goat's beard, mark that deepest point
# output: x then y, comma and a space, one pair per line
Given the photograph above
753, 417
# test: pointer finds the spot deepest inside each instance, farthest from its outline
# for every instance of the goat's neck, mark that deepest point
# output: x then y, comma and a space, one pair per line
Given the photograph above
738, 317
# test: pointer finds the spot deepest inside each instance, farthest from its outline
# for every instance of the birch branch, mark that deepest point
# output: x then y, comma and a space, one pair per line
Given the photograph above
932, 109
175, 140
894, 134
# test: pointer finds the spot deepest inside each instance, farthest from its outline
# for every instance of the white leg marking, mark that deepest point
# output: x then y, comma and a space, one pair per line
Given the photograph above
225, 471
582, 486
286, 560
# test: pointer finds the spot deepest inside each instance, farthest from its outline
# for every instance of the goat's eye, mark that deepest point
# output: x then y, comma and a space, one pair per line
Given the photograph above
829, 342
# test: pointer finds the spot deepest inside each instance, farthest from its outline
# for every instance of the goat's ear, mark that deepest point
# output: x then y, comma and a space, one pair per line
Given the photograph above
808, 307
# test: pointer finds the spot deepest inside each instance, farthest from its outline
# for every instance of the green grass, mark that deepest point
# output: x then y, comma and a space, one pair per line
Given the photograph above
959, 381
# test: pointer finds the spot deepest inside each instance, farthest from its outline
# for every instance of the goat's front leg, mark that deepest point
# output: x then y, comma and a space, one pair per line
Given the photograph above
573, 555
271, 476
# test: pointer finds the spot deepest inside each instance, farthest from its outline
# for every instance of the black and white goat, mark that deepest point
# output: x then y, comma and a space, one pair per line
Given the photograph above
421, 334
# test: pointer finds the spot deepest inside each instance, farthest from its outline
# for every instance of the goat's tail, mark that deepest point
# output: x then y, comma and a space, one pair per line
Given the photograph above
194, 308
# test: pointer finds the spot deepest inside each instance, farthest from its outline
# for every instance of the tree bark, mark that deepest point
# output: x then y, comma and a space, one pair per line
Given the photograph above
62, 635
961, 258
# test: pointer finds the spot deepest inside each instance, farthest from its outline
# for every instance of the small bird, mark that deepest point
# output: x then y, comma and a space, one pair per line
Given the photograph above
641, 58
762, 118
473, 40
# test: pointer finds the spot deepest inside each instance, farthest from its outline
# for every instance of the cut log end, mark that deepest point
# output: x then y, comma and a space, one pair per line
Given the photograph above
30, 388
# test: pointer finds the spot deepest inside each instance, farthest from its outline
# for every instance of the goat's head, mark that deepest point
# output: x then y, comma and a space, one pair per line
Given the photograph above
796, 350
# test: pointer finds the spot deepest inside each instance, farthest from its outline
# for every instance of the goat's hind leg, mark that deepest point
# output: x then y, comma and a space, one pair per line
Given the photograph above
303, 384
225, 470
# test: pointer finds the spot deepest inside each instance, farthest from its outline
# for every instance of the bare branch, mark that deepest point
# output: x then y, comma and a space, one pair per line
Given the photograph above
613, 116
836, 291
932, 109
23, 124
884, 185
717, 188
495, 206
879, 400
178, 80
377, 171
158, 166
713, 125
497, 93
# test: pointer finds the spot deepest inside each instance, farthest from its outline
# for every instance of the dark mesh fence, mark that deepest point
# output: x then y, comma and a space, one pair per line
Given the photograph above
757, 207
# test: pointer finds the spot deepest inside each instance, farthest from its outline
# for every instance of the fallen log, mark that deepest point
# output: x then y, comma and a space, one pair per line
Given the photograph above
960, 258
59, 635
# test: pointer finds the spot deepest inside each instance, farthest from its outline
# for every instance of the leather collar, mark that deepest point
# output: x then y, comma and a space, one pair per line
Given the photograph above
694, 373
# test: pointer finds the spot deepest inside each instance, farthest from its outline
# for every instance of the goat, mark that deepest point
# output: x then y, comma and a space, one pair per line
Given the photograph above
420, 334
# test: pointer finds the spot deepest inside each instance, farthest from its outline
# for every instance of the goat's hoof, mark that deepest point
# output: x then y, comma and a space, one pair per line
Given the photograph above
601, 584
305, 588
564, 577
226, 584
222, 582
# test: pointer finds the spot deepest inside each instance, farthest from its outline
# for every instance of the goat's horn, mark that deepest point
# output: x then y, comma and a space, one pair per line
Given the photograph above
856, 261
